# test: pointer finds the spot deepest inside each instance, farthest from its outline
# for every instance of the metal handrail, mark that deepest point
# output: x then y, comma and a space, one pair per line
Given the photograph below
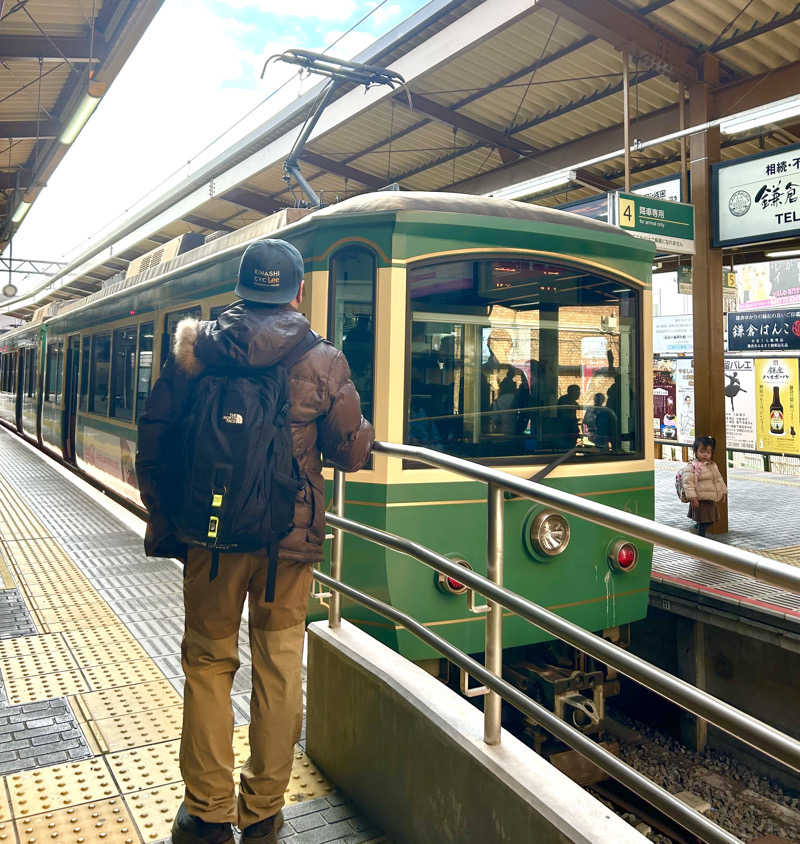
743, 562
654, 794
750, 730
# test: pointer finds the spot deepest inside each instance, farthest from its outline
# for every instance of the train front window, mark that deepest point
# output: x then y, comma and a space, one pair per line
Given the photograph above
145, 369
515, 358
352, 317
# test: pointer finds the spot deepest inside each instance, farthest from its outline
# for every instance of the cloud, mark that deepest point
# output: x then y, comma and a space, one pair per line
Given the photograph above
309, 9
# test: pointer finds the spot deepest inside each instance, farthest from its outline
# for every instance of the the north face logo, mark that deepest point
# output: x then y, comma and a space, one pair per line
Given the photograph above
233, 418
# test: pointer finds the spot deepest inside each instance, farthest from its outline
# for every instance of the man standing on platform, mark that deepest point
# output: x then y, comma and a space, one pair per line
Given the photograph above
324, 414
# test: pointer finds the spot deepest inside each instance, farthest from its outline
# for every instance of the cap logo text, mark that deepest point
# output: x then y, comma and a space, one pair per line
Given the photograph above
266, 278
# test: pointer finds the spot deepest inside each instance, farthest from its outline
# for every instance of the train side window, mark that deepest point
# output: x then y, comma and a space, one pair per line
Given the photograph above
54, 371
171, 323
101, 357
215, 312
33, 360
3, 368
122, 369
352, 316
83, 401
145, 370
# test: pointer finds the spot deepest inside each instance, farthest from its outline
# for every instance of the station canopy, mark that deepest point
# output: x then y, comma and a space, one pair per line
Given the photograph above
501, 91
57, 59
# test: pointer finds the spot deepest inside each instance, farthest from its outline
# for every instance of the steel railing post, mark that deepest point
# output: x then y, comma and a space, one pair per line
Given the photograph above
335, 606
492, 702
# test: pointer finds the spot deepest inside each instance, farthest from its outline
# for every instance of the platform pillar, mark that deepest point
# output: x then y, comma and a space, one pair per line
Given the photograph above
709, 380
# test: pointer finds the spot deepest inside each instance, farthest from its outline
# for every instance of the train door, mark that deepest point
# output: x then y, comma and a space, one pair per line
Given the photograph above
71, 397
19, 387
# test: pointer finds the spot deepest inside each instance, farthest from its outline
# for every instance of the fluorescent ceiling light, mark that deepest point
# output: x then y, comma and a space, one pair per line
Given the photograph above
761, 116
22, 210
532, 186
85, 109
786, 253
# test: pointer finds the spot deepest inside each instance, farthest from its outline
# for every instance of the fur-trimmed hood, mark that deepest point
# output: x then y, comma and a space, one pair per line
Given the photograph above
244, 335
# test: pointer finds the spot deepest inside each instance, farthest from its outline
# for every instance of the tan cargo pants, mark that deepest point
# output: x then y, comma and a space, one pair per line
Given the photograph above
210, 657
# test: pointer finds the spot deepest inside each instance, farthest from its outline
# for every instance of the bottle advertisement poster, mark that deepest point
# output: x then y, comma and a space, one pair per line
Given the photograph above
777, 412
740, 403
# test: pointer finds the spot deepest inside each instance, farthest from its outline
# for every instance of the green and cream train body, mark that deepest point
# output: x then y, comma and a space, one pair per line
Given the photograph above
496, 331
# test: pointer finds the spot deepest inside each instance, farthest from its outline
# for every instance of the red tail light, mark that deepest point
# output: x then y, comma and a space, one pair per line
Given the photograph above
451, 585
623, 556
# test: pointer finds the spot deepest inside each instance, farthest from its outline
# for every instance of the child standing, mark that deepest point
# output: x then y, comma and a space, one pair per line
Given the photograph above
703, 485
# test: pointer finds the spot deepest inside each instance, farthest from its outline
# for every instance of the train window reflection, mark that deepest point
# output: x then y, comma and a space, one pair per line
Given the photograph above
517, 359
122, 369
54, 372
101, 358
84, 393
145, 370
352, 310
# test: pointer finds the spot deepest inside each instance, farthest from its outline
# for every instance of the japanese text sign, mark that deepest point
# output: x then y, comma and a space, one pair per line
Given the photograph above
670, 225
757, 198
767, 331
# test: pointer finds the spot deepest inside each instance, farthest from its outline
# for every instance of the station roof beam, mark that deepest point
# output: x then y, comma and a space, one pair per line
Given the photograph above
343, 170
29, 130
252, 201
508, 148
626, 30
53, 49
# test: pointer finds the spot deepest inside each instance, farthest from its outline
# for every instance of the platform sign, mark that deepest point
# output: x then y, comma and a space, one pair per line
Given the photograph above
740, 403
670, 225
673, 335
777, 410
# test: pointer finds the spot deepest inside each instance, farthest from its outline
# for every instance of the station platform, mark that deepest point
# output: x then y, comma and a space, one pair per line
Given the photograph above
91, 698
763, 517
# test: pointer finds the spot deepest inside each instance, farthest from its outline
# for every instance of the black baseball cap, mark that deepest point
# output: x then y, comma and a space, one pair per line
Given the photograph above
270, 272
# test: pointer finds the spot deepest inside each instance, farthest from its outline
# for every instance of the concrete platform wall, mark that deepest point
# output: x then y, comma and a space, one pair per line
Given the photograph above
409, 752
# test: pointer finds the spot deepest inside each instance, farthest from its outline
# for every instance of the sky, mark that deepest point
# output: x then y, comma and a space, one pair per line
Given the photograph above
195, 72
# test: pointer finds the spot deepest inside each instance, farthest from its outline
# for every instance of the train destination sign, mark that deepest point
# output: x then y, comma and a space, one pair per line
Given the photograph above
767, 331
670, 225
757, 198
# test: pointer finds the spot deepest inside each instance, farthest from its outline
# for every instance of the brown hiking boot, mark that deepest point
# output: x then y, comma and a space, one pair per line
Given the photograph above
188, 829
263, 832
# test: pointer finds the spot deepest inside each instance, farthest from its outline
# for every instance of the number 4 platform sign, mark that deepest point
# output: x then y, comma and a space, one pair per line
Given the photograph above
670, 225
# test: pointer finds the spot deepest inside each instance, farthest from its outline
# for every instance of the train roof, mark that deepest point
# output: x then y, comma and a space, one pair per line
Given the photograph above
460, 203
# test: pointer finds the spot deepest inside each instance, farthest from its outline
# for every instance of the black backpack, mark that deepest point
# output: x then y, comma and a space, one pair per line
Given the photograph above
238, 475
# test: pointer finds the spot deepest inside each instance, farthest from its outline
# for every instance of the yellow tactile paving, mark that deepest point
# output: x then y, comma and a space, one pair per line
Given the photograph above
59, 786
105, 820
5, 808
138, 729
92, 613
306, 782
16, 519
103, 645
146, 767
154, 809
6, 578
44, 686
7, 832
123, 673
126, 700
27, 656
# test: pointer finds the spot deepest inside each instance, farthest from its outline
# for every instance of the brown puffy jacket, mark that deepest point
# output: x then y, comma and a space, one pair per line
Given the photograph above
325, 415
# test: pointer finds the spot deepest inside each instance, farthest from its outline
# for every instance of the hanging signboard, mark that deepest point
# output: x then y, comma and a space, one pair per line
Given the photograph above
768, 284
763, 331
669, 189
756, 198
672, 335
740, 403
777, 412
670, 225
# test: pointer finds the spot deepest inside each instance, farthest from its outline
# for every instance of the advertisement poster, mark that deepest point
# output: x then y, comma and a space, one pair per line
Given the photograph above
665, 425
673, 335
740, 403
684, 399
777, 412
764, 331
771, 284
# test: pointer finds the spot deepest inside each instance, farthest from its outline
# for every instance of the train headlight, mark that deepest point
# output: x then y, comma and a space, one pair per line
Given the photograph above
451, 585
623, 556
549, 533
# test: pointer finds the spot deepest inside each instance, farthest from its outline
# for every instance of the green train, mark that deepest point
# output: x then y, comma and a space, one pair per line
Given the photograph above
497, 331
